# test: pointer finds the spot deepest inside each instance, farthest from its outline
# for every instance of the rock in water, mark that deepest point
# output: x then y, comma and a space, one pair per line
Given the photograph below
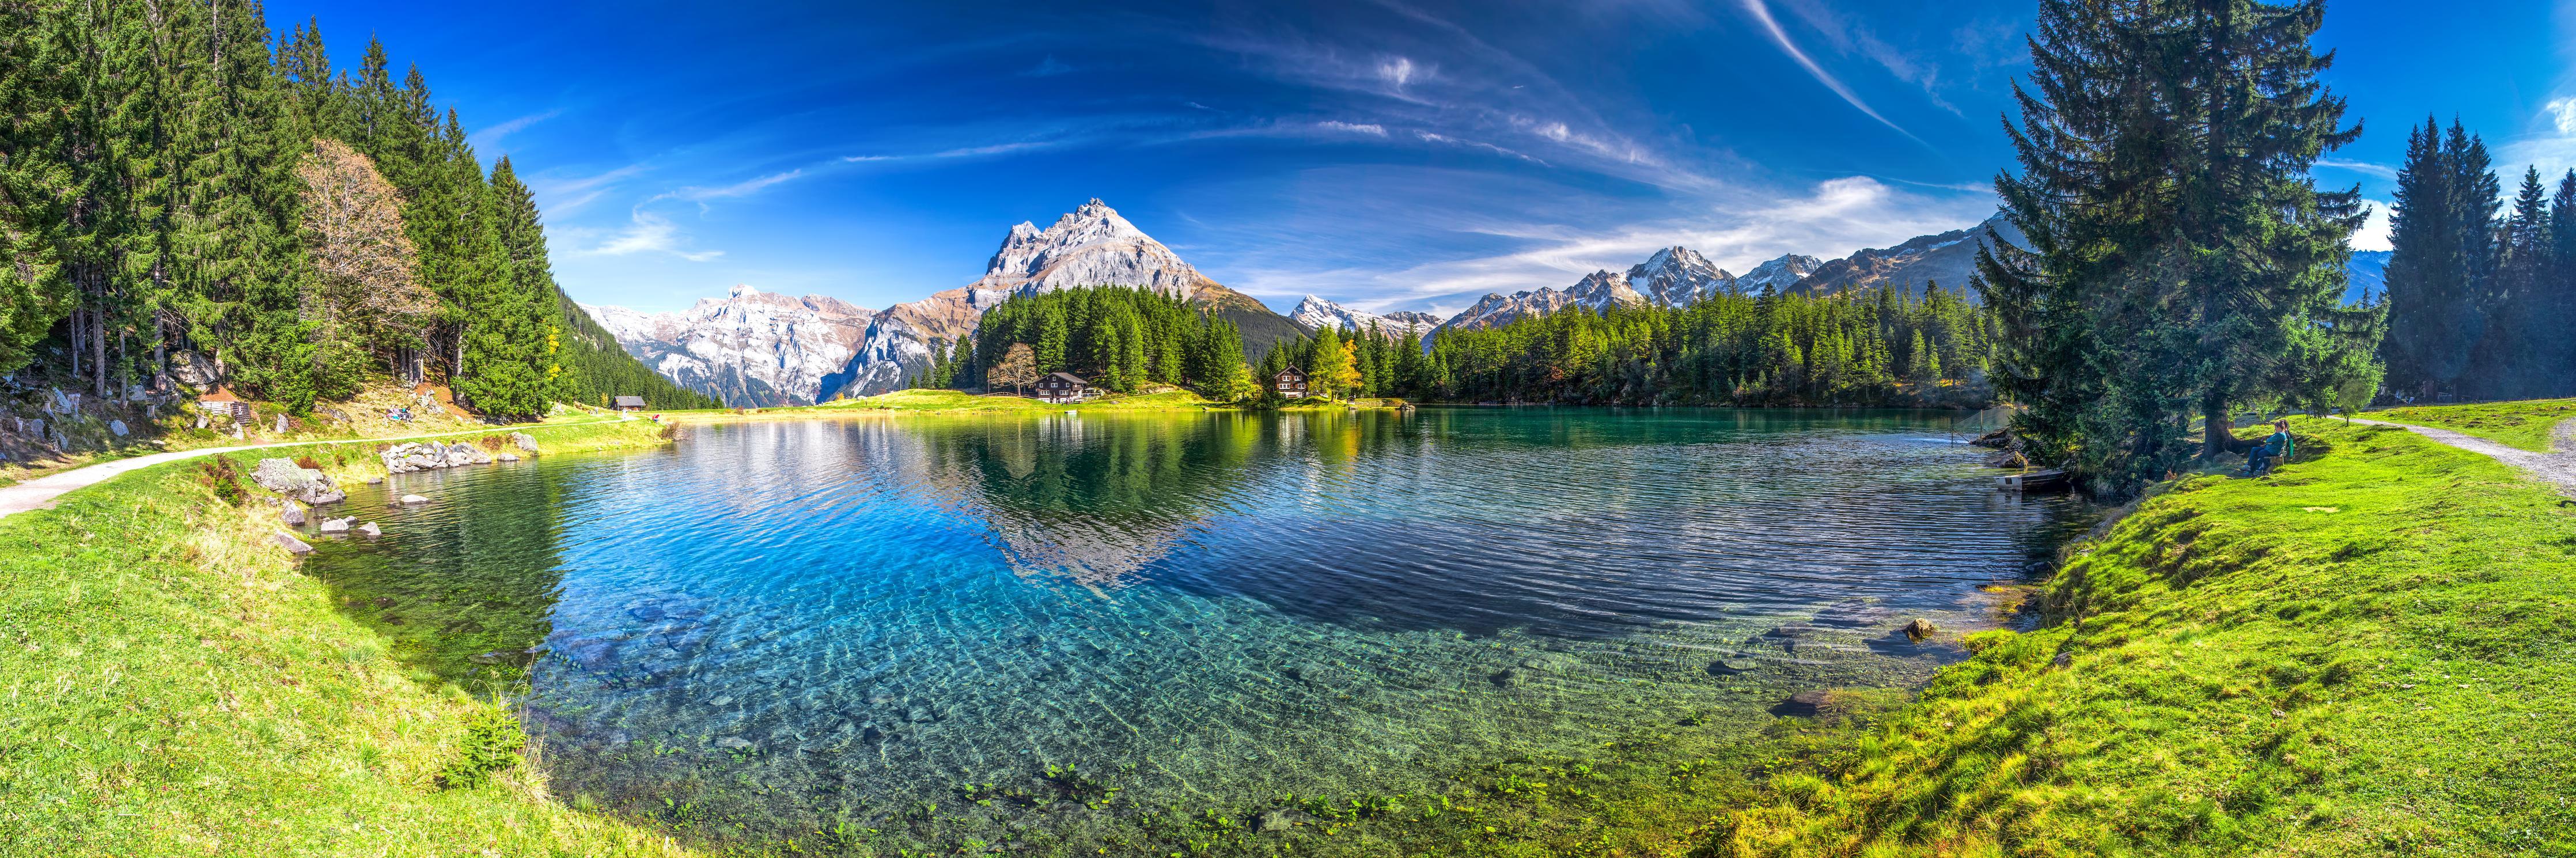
414, 499
293, 516
733, 743
1804, 704
508, 457
1921, 628
293, 545
371, 529
526, 442
336, 525
375, 481
1732, 666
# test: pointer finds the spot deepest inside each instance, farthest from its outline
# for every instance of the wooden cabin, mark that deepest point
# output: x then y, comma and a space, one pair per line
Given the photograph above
1062, 387
630, 403
1290, 383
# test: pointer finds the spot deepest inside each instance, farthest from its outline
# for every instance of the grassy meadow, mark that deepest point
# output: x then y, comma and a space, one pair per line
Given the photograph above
2525, 425
176, 687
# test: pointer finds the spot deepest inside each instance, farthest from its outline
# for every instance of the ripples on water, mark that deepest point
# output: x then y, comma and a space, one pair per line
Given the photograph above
798, 623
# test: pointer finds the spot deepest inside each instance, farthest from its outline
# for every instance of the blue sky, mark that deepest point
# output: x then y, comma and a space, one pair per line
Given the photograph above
1390, 155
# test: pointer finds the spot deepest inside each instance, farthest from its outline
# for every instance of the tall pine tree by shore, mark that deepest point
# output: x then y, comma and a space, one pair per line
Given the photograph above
2182, 263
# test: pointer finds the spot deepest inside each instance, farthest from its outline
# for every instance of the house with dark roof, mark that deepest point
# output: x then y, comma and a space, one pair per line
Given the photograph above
630, 403
1290, 383
1062, 387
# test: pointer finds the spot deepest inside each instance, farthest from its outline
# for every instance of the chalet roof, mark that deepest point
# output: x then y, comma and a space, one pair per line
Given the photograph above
1068, 377
630, 402
1291, 371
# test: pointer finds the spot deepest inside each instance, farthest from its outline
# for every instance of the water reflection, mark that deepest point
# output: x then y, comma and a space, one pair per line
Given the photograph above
784, 625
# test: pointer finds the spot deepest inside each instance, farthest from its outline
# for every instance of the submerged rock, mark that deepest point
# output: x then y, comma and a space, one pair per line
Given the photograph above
414, 499
371, 529
336, 525
1806, 704
1732, 666
293, 545
733, 743
1921, 628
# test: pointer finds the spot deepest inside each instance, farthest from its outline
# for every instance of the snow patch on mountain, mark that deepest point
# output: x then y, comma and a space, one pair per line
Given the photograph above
749, 348
1777, 275
1316, 314
1678, 277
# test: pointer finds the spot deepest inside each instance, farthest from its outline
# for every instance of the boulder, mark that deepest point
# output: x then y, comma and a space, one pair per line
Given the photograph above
508, 457
375, 481
733, 743
284, 477
1732, 666
1921, 628
411, 499
527, 443
292, 544
116, 428
371, 529
336, 525
281, 424
293, 515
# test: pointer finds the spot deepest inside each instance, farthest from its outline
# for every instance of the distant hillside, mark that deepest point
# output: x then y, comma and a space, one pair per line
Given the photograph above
599, 368
1262, 327
2369, 271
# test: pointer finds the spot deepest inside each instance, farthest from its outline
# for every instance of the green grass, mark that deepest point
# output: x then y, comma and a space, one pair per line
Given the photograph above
175, 686
2362, 654
2526, 425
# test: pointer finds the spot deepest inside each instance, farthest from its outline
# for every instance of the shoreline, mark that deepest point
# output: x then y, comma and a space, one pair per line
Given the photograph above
2292, 632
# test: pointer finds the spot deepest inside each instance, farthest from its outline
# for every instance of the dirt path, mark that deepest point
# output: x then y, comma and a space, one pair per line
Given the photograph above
2557, 468
40, 492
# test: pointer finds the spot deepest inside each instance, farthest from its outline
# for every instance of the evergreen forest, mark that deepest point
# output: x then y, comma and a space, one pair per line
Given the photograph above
187, 198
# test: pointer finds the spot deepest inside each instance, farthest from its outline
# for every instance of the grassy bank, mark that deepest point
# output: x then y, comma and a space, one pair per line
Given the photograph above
2526, 425
2361, 654
175, 686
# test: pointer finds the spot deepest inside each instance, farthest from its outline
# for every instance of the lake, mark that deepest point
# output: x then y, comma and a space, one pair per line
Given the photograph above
793, 625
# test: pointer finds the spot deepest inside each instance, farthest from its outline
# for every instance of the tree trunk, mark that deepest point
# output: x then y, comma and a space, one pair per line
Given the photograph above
98, 356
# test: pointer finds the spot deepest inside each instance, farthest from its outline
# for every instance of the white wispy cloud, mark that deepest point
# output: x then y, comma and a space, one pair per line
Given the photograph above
561, 196
647, 232
1353, 127
744, 188
1762, 15
1436, 137
2381, 170
1829, 220
1397, 72
2562, 112
487, 137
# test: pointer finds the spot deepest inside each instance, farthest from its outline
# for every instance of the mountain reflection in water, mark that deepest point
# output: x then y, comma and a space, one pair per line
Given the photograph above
858, 614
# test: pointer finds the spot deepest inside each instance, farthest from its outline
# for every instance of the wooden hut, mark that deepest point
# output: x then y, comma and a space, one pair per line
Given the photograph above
1290, 383
630, 403
1062, 387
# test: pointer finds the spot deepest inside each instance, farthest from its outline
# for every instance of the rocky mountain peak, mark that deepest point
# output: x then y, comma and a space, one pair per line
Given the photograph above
1678, 276
1089, 246
1778, 274
1315, 313
749, 348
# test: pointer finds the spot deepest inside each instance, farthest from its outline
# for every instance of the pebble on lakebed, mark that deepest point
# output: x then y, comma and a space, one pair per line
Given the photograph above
414, 499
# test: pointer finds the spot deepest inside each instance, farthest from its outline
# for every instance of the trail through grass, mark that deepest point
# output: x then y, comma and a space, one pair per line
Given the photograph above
2526, 425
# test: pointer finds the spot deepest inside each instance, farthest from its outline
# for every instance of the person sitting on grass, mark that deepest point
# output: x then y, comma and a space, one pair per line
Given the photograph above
2273, 451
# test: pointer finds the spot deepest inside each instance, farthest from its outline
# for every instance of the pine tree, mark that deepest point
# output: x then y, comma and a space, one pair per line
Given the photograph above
2179, 254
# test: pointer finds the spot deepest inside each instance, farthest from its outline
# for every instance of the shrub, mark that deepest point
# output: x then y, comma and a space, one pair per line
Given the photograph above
492, 742
218, 474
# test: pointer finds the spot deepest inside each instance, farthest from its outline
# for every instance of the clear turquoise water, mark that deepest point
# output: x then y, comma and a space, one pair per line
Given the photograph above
783, 626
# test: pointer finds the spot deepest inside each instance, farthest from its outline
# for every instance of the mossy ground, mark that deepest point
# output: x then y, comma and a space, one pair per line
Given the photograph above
2364, 653
2525, 425
175, 686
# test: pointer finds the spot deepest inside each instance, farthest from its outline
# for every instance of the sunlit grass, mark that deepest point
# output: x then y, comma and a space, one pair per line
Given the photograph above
2363, 653
2526, 425
175, 686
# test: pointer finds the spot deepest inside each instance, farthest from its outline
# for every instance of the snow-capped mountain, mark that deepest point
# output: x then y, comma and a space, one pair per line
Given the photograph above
1777, 275
1948, 259
1678, 277
1316, 314
749, 348
1090, 246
